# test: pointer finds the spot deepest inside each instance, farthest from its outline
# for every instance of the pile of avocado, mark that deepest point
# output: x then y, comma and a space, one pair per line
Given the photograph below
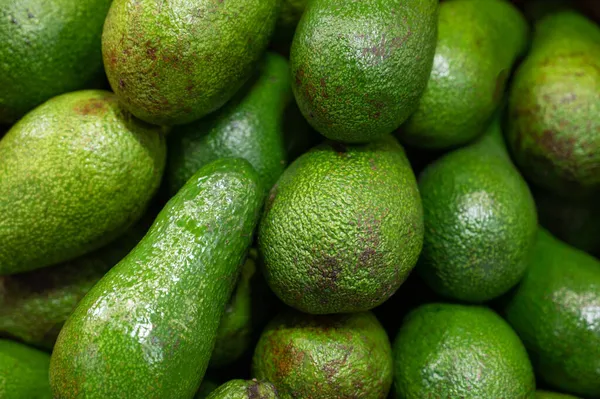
299, 199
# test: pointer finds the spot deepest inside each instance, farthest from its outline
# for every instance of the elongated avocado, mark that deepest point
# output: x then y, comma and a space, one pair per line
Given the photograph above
241, 389
23, 372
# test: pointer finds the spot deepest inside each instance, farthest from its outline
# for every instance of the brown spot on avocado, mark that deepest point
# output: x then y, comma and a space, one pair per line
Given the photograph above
340, 148
92, 106
253, 392
150, 50
561, 148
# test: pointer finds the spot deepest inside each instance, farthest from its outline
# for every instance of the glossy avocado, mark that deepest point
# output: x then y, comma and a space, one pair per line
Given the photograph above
478, 43
460, 351
76, 173
174, 62
322, 357
360, 67
147, 329
342, 228
23, 372
241, 389
555, 312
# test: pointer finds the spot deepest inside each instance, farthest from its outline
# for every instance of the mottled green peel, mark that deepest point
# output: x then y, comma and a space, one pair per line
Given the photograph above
23, 372
241, 389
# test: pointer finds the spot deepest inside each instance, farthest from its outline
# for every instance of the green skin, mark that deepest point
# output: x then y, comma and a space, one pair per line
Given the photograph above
360, 67
322, 357
342, 228
206, 389
47, 47
460, 352
250, 126
147, 329
174, 62
241, 389
480, 221
552, 395
77, 172
554, 120
23, 371
35, 305
554, 311
478, 42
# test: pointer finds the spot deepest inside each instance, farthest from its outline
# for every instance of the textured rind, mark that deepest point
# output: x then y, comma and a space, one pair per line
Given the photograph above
23, 372
174, 62
241, 389
47, 47
147, 329
555, 312
360, 67
478, 42
480, 221
554, 107
250, 126
342, 228
460, 351
322, 357
76, 172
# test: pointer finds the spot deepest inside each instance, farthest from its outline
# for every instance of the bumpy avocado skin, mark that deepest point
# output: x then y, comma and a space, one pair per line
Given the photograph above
322, 357
478, 43
174, 62
76, 172
554, 311
459, 351
342, 228
147, 329
480, 221
360, 67
23, 372
47, 47
250, 126
242, 389
554, 114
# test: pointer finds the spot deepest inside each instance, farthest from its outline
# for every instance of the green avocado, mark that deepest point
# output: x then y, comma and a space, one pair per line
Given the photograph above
174, 62
552, 395
360, 67
460, 352
323, 357
555, 312
242, 389
23, 372
342, 228
478, 43
147, 329
76, 172
250, 126
554, 119
289, 15
47, 47
480, 221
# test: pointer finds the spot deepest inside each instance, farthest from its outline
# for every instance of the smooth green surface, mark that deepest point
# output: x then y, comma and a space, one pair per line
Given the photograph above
174, 62
147, 329
554, 106
242, 389
47, 47
360, 67
555, 312
323, 357
478, 42
23, 372
76, 172
552, 395
480, 221
342, 228
460, 352
250, 126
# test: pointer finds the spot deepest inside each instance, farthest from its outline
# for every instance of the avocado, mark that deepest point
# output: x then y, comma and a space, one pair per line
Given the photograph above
555, 312
360, 67
47, 47
250, 126
289, 15
342, 228
23, 372
76, 172
35, 305
460, 351
241, 389
480, 221
174, 62
147, 329
478, 42
554, 120
206, 389
321, 357
552, 395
